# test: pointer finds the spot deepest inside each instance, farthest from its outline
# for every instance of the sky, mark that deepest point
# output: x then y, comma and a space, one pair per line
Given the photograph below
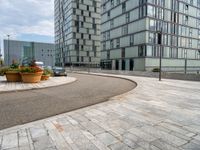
27, 20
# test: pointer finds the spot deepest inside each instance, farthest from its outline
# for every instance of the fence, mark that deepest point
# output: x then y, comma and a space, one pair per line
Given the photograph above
193, 75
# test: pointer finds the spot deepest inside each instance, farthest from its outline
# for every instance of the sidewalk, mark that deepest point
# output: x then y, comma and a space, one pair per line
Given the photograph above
153, 116
18, 86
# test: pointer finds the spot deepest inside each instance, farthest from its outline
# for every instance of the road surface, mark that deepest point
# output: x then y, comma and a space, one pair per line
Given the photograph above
22, 107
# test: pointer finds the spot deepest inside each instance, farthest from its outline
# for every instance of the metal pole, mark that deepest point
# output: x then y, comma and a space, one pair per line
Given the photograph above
8, 49
160, 66
160, 58
185, 70
185, 65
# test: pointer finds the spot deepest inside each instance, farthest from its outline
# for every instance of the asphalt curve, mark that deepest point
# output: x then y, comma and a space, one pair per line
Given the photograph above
22, 107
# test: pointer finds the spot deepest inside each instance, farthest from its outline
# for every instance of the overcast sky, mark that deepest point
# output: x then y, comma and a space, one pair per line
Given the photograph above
29, 20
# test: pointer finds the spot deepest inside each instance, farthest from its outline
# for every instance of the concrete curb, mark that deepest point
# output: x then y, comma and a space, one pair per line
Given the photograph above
105, 75
39, 88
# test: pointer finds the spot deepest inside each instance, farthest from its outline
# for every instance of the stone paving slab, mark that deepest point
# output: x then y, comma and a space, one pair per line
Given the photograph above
153, 116
17, 86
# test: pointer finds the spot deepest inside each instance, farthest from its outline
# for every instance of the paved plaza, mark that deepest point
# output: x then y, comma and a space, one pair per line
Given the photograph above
20, 86
153, 116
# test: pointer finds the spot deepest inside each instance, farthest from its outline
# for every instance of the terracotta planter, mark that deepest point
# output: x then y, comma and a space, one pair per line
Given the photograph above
45, 77
31, 77
13, 76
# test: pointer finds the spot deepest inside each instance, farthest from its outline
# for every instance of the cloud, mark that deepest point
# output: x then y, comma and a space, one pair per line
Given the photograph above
19, 17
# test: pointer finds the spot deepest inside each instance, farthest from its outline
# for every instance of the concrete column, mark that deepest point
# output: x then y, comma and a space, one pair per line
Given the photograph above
113, 65
127, 64
120, 64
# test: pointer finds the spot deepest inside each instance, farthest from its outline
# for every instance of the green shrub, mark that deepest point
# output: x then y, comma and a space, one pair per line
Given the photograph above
30, 70
14, 65
47, 71
13, 70
156, 70
3, 70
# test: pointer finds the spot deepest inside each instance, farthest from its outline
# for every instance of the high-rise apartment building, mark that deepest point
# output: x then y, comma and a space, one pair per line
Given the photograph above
132, 31
77, 32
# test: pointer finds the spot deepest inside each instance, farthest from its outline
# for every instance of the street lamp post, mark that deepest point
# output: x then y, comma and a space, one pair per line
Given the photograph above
8, 49
185, 68
89, 62
160, 58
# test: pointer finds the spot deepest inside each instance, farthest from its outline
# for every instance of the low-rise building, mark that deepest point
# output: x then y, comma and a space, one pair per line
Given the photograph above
22, 50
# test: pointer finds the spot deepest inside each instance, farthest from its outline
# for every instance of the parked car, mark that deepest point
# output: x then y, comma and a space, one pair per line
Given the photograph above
59, 71
40, 64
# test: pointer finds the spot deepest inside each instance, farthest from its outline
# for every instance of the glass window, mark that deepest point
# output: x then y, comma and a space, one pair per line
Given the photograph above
112, 3
151, 37
108, 54
104, 45
125, 30
186, 18
159, 13
127, 17
199, 33
141, 50
173, 40
141, 2
131, 40
108, 35
123, 52
104, 7
111, 44
108, 14
152, 25
104, 36
151, 1
118, 42
123, 7
190, 43
111, 23
190, 32
174, 53
149, 51
151, 11
142, 11
156, 51
160, 3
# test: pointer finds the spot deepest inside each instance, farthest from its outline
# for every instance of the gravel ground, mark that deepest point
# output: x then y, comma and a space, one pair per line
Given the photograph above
22, 107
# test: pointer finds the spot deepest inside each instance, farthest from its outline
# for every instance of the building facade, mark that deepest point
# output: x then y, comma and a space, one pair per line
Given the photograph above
132, 29
77, 32
21, 50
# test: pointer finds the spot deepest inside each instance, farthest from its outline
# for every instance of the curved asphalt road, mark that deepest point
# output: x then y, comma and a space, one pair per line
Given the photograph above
22, 107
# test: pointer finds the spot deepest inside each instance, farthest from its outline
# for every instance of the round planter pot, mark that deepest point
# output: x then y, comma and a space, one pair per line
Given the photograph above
45, 77
13, 77
31, 77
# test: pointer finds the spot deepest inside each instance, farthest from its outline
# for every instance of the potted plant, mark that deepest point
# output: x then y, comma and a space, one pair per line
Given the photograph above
12, 73
3, 70
31, 74
46, 74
